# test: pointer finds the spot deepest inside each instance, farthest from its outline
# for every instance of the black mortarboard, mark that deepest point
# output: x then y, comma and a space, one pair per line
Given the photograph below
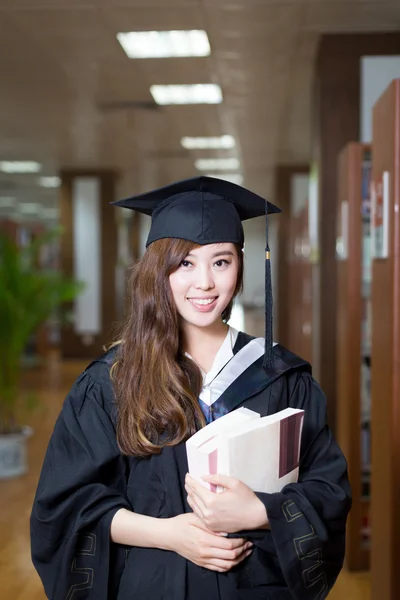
206, 210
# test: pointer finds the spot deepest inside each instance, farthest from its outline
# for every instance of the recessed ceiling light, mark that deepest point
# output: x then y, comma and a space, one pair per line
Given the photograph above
232, 177
15, 166
29, 208
217, 164
223, 142
165, 44
199, 93
50, 182
7, 201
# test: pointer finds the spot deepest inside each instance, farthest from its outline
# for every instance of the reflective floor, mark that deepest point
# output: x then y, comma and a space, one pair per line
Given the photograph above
18, 578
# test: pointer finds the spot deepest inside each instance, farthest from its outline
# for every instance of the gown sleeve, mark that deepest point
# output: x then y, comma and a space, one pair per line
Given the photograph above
81, 487
308, 518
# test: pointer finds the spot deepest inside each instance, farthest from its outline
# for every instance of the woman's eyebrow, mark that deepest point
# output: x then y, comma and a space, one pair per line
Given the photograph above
221, 253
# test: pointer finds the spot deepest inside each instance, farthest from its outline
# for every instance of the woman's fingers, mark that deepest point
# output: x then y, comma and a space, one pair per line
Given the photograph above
221, 565
198, 494
195, 507
195, 542
229, 544
236, 554
219, 540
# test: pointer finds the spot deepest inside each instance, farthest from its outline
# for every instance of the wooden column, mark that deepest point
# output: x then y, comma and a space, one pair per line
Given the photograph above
300, 286
350, 347
336, 114
385, 491
282, 197
74, 345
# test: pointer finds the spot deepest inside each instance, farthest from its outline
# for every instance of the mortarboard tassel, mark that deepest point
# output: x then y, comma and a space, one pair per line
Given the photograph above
268, 353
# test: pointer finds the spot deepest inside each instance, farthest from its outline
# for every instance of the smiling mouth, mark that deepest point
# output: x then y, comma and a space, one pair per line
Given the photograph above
202, 301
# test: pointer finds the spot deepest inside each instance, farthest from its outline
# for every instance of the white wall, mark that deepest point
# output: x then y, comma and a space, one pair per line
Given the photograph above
145, 222
299, 192
376, 74
254, 265
87, 254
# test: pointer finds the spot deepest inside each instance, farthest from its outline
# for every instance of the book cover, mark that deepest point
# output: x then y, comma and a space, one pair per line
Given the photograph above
263, 452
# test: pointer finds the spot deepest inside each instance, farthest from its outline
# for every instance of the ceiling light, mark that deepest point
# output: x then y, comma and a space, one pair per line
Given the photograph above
50, 182
29, 208
164, 44
232, 177
15, 166
199, 93
50, 213
223, 142
214, 164
7, 201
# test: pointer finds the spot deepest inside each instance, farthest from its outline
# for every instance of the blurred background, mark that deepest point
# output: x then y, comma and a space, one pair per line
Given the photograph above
298, 100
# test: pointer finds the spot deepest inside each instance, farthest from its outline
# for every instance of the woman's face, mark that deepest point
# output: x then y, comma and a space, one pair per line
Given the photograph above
204, 283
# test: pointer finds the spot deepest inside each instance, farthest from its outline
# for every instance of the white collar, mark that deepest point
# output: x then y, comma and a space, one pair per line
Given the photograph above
232, 370
227, 367
223, 356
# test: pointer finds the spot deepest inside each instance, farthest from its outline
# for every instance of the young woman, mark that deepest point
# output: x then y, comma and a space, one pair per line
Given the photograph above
116, 516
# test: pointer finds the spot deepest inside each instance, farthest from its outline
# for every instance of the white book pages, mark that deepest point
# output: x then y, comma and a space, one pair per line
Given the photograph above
200, 455
261, 452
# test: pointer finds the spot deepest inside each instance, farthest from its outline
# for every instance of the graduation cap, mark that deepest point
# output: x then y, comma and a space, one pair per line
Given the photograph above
207, 210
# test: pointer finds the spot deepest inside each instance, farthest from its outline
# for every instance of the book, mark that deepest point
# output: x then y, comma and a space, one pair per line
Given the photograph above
262, 452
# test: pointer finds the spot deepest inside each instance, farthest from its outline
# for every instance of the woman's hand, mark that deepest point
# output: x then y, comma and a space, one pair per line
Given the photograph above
232, 510
190, 538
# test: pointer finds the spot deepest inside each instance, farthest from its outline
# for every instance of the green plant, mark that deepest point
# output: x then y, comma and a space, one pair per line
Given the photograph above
28, 296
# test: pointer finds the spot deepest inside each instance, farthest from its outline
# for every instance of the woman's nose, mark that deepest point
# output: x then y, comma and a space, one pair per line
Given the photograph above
205, 280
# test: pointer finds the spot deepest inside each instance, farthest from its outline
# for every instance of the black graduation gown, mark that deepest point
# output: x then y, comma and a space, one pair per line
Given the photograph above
85, 480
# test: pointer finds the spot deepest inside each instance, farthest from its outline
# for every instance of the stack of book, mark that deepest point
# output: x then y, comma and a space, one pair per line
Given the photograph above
262, 452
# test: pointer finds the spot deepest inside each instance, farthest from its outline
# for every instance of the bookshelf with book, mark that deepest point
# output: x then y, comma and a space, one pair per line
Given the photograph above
385, 347
354, 340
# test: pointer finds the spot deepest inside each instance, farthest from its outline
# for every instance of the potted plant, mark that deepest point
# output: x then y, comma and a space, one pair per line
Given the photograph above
29, 295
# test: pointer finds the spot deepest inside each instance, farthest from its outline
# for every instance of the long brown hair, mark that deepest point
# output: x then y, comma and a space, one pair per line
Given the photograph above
156, 385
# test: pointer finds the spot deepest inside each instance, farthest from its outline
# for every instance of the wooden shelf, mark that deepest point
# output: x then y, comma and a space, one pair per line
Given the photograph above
385, 482
353, 342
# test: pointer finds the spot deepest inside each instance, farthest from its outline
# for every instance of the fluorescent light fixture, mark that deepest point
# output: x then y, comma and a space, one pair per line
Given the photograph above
15, 166
223, 142
217, 164
49, 213
7, 201
29, 208
50, 182
232, 177
199, 93
165, 44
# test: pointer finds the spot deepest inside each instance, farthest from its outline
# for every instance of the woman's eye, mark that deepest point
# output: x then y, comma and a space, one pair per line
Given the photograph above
221, 263
185, 263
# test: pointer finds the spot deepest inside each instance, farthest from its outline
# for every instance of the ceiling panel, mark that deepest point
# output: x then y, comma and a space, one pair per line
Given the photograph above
71, 98
344, 17
159, 4
69, 21
131, 18
254, 20
78, 33
46, 4
176, 70
73, 4
121, 81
